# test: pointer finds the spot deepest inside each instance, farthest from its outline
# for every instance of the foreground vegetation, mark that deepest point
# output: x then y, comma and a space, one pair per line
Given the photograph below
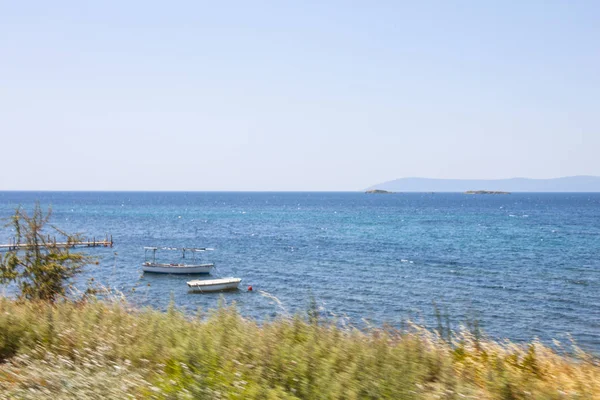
105, 350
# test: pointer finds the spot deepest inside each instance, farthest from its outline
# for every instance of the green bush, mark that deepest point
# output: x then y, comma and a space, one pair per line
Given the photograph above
39, 267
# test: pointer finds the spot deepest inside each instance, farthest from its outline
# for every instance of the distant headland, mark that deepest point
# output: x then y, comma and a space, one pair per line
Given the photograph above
378, 191
485, 192
565, 184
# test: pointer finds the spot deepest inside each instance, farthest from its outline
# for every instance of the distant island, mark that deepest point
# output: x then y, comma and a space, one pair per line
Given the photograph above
485, 192
378, 191
427, 185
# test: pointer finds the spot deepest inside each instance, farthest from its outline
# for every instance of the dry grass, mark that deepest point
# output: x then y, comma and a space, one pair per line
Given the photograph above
102, 350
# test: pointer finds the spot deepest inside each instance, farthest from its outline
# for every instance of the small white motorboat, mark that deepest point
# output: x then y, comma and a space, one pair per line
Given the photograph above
214, 285
150, 264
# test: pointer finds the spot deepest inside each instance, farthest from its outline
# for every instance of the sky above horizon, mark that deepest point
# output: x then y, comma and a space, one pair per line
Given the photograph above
192, 95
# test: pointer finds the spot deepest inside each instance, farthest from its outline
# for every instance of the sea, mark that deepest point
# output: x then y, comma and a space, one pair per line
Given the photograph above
523, 266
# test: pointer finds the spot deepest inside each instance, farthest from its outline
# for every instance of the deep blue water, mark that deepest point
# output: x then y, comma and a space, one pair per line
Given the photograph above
524, 265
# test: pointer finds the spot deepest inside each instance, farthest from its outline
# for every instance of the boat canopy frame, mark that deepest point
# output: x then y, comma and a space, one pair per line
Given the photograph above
183, 250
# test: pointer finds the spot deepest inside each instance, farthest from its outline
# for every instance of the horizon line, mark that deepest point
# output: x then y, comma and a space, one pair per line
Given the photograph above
270, 191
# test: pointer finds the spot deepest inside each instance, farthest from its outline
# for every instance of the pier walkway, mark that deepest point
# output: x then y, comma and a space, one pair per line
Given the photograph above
107, 242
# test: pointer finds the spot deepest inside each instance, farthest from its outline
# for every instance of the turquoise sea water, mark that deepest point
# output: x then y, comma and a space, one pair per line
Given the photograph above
524, 265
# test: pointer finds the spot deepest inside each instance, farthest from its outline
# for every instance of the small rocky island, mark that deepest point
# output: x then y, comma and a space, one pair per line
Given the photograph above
485, 192
378, 191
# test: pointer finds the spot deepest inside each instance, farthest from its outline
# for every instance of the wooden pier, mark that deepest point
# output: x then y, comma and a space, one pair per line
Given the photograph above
52, 243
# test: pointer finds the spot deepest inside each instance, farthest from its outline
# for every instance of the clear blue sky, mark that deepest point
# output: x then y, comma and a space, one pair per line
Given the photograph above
334, 95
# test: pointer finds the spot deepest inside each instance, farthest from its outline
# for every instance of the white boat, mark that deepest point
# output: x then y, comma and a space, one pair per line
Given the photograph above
194, 267
214, 285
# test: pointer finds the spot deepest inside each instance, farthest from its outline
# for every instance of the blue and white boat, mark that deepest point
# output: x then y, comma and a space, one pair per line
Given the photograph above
193, 267
214, 285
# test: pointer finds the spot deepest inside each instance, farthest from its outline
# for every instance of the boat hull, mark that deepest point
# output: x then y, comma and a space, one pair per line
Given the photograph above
177, 269
214, 285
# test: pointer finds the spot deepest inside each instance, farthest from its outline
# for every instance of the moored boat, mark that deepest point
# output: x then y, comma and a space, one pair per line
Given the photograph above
214, 285
150, 264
